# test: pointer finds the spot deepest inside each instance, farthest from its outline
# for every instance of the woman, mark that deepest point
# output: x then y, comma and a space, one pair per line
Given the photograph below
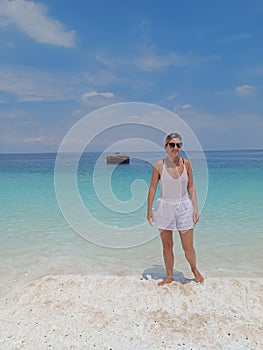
174, 209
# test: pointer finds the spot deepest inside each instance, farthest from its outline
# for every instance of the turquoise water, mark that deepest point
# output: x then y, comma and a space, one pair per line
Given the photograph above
35, 238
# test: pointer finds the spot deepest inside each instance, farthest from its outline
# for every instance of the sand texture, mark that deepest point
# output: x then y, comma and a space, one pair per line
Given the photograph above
116, 312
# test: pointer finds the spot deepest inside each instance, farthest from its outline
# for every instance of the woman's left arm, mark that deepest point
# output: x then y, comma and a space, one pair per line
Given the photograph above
191, 189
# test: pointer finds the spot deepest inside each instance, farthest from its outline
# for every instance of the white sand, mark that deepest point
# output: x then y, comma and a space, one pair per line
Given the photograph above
102, 312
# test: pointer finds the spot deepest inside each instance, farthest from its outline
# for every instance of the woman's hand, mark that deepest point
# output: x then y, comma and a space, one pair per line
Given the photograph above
196, 216
150, 217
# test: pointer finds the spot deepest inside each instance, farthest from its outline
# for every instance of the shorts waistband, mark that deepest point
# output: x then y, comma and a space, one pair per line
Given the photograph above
171, 200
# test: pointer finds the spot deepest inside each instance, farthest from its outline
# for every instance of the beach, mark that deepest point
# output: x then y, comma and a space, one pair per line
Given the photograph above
125, 312
61, 290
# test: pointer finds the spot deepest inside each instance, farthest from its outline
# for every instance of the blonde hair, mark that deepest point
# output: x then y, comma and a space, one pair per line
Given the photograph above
171, 136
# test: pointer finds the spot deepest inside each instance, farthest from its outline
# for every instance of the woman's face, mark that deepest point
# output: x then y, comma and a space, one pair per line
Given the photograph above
173, 147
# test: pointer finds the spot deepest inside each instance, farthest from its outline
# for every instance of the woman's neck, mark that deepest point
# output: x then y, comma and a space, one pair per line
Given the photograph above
174, 160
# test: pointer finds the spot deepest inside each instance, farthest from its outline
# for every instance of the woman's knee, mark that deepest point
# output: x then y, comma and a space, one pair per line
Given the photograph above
167, 246
167, 242
167, 239
188, 249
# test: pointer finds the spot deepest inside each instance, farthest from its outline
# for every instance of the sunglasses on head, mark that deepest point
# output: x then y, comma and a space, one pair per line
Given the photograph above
173, 144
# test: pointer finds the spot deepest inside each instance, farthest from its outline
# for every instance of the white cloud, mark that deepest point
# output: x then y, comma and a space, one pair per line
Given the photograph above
30, 84
172, 96
184, 107
93, 99
233, 38
153, 61
91, 94
34, 139
31, 18
23, 131
244, 90
222, 131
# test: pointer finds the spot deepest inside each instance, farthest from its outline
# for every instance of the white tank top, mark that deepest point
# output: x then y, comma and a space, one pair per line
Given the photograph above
174, 189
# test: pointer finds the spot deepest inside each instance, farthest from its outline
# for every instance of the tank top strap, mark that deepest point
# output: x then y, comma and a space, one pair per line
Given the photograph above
165, 166
181, 158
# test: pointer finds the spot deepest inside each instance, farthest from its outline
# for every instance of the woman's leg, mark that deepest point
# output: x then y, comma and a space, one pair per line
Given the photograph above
168, 255
188, 247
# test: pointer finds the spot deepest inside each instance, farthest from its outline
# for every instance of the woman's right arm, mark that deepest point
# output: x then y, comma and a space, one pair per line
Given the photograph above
152, 190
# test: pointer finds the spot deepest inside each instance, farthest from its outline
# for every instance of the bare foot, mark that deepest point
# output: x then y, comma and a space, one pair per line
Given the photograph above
167, 280
198, 277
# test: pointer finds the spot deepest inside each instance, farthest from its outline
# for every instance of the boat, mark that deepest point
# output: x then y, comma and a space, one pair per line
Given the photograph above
118, 159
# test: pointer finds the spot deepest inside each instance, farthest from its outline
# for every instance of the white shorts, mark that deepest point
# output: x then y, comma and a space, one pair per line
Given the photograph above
170, 215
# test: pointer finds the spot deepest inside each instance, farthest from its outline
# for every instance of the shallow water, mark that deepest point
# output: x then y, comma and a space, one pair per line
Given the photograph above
35, 238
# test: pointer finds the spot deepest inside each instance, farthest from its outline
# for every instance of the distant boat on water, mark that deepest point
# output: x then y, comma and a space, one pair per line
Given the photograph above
118, 158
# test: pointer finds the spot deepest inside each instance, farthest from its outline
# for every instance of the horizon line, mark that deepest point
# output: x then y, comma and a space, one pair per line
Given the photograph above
98, 151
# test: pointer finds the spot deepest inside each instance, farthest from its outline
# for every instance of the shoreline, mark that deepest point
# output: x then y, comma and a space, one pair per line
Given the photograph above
130, 312
19, 273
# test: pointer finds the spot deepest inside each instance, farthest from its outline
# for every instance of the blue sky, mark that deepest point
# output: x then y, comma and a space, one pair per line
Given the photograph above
63, 59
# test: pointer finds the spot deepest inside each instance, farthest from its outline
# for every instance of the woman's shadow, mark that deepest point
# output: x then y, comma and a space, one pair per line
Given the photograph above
158, 272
